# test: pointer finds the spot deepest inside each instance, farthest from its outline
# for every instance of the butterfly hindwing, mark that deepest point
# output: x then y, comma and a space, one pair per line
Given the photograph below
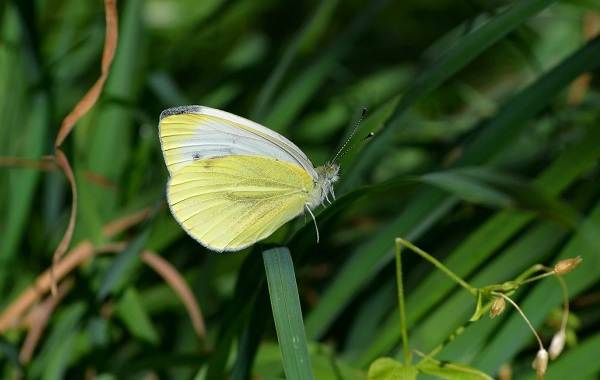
227, 203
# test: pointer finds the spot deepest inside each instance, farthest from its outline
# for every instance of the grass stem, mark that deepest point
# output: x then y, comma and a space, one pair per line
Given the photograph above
401, 305
438, 265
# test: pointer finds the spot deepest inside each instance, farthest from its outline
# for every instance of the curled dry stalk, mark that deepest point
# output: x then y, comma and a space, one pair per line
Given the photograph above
27, 311
59, 160
493, 298
81, 108
37, 320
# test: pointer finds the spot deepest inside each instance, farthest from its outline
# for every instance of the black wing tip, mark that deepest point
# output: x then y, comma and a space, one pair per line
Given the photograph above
180, 110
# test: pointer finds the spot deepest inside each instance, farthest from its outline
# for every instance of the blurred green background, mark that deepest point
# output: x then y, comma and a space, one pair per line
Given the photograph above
486, 147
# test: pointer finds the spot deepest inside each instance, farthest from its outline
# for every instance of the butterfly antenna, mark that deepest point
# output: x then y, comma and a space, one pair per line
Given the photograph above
354, 129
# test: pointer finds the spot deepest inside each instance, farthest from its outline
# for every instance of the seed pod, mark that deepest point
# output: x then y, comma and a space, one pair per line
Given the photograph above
497, 307
557, 344
567, 265
540, 363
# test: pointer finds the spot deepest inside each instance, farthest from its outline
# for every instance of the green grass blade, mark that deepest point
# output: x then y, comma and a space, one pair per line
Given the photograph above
134, 315
266, 94
249, 284
24, 120
533, 247
53, 357
455, 58
109, 127
297, 94
250, 340
23, 181
505, 126
421, 213
546, 296
471, 189
497, 189
117, 274
484, 241
509, 121
287, 313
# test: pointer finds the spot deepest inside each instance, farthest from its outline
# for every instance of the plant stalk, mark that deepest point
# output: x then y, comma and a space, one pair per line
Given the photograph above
401, 305
438, 265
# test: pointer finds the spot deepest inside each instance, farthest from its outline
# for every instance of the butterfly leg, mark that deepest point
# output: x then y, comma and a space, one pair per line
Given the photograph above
314, 220
332, 193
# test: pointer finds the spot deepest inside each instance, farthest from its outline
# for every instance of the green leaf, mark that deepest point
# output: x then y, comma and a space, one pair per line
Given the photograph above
479, 309
299, 92
488, 238
251, 339
308, 32
389, 369
456, 57
10, 352
22, 182
547, 295
119, 272
267, 364
54, 356
518, 193
133, 313
423, 210
287, 313
533, 247
108, 126
451, 371
249, 285
468, 188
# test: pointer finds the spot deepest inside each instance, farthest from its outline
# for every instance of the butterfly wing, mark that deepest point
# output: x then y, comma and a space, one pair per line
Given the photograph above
228, 203
191, 133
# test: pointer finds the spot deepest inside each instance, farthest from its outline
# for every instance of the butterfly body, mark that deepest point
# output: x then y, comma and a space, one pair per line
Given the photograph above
234, 182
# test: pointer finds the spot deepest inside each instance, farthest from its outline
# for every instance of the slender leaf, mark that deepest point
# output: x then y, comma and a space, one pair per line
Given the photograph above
265, 96
117, 274
508, 122
389, 369
488, 238
449, 63
547, 295
132, 312
287, 314
451, 371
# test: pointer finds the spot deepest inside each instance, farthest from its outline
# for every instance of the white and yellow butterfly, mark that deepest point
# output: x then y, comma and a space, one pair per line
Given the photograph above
234, 182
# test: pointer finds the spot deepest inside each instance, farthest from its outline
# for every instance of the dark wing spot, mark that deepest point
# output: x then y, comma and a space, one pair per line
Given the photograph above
196, 156
179, 110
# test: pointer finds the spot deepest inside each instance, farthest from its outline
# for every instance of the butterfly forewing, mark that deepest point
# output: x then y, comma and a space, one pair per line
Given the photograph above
192, 133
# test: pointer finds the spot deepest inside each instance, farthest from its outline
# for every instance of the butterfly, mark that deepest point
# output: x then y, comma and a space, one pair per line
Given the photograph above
234, 182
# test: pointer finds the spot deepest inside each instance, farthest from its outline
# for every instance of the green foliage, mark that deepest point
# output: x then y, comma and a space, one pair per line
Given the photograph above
287, 314
388, 369
485, 154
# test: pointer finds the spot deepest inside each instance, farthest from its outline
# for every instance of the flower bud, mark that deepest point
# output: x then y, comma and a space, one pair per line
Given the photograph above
540, 363
557, 344
497, 307
567, 265
505, 372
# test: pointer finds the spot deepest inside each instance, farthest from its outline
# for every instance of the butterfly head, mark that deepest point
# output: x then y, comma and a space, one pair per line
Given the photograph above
328, 172
323, 192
